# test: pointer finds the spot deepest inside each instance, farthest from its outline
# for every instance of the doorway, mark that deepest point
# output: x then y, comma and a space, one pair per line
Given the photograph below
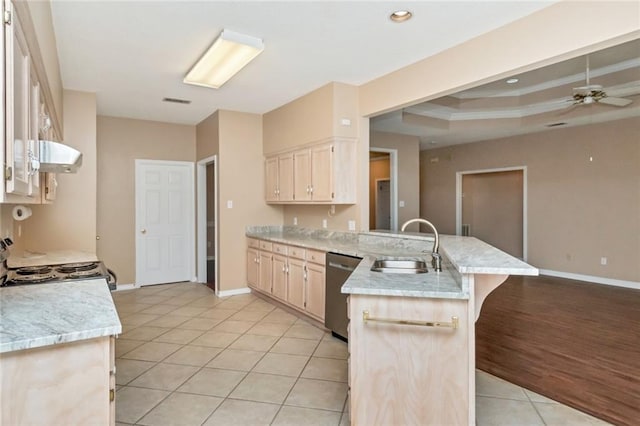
491, 206
207, 206
383, 189
164, 221
383, 204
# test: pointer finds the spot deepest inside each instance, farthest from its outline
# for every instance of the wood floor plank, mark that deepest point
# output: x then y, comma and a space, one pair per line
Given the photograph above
575, 342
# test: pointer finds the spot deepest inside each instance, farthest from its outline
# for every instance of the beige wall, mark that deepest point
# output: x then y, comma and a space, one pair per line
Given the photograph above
70, 222
408, 148
313, 117
578, 210
378, 169
237, 140
120, 142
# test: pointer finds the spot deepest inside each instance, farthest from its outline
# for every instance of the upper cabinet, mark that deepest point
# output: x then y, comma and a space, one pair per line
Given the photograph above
321, 173
27, 105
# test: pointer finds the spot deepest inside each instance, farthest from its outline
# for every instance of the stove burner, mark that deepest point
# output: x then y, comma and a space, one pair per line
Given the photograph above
69, 268
83, 274
34, 279
33, 270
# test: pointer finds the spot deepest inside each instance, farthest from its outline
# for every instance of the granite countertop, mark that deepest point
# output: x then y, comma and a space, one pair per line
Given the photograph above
57, 257
33, 316
461, 255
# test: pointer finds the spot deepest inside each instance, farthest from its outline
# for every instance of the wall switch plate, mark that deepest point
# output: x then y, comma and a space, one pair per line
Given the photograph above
295, 220
603, 261
401, 203
229, 204
352, 225
324, 223
345, 122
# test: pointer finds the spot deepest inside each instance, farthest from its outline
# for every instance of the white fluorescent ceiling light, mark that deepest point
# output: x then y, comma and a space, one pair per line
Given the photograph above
227, 55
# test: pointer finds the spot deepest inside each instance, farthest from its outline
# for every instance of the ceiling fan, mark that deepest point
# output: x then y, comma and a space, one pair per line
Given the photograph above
594, 93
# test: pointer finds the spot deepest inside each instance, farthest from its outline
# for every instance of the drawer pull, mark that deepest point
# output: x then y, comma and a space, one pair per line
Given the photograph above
453, 324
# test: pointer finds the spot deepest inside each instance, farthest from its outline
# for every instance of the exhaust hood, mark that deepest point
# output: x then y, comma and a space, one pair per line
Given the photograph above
56, 157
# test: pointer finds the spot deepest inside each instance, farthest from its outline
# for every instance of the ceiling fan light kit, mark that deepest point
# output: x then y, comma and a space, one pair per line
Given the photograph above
594, 93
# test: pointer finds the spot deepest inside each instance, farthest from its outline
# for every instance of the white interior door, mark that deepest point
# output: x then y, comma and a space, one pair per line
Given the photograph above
165, 247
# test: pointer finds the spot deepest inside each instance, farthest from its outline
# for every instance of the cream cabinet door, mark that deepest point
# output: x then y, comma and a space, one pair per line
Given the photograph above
322, 173
295, 291
315, 290
17, 86
33, 147
252, 267
280, 273
265, 264
271, 179
285, 177
302, 175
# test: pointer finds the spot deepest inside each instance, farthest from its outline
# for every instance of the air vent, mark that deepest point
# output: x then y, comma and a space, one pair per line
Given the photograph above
556, 124
176, 101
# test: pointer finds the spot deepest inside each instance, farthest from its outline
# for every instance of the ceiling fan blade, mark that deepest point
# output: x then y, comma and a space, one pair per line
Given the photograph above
619, 102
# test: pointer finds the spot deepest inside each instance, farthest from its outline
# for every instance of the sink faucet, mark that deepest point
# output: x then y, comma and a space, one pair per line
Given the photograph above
436, 259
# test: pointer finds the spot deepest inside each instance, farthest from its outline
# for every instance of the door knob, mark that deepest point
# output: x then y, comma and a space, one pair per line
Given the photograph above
144, 231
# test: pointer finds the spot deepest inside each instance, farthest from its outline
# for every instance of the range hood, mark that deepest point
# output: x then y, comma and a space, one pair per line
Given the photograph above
56, 157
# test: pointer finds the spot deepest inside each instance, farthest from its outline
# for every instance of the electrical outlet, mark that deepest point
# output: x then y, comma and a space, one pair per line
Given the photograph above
295, 220
352, 225
229, 204
603, 261
401, 203
324, 223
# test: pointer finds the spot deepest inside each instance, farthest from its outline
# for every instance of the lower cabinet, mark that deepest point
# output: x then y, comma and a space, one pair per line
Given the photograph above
402, 374
291, 274
63, 384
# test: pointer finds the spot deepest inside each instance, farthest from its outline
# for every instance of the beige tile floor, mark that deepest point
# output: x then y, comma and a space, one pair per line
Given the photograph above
187, 357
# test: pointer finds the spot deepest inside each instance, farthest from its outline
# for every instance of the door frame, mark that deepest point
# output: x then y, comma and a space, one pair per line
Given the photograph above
201, 201
190, 213
523, 169
393, 176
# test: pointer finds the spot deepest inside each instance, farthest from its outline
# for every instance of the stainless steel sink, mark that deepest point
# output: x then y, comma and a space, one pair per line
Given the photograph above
392, 266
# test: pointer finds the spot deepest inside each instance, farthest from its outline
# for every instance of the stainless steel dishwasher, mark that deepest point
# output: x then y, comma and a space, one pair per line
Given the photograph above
339, 267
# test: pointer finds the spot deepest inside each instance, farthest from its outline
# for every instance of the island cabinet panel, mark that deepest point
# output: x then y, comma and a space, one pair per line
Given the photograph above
407, 374
65, 384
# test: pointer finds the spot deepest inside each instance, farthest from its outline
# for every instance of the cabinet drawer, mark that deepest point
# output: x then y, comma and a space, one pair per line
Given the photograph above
253, 243
280, 249
266, 245
296, 252
315, 256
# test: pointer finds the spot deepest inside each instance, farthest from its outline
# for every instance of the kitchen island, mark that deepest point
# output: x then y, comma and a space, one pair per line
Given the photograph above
57, 353
411, 336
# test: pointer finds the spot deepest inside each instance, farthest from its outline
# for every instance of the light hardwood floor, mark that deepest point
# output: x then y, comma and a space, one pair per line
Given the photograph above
187, 357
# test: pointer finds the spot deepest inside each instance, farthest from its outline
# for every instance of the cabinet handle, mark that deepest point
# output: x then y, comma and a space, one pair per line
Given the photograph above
284, 269
311, 189
453, 324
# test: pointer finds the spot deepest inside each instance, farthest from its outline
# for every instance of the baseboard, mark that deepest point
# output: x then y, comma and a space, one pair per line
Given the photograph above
592, 279
234, 292
122, 287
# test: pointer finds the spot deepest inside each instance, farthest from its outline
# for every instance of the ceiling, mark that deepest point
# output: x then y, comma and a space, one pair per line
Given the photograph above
133, 54
539, 100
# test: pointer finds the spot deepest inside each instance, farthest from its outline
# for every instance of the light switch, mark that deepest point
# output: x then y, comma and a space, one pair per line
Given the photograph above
229, 204
401, 203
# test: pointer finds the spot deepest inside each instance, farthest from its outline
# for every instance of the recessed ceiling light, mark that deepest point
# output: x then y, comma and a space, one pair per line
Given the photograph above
400, 16
512, 81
